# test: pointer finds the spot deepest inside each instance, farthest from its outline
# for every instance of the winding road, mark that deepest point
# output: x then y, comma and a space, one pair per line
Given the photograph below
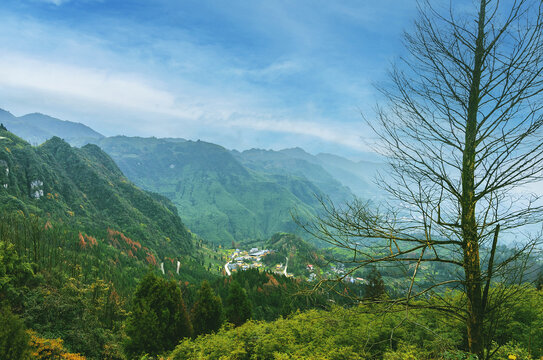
227, 269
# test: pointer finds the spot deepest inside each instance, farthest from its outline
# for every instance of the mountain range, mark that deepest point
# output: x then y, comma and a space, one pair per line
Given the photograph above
222, 195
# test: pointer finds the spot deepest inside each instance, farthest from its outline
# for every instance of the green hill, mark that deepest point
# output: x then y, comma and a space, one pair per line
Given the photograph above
84, 188
218, 198
221, 195
75, 238
359, 176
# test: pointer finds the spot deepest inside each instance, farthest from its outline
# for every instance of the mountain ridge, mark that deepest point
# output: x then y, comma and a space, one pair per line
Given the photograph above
36, 128
226, 195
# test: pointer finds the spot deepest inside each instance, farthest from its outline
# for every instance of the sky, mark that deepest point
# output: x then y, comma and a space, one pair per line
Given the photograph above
242, 74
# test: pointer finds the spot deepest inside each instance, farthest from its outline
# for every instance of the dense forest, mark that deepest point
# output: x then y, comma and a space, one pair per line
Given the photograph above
82, 302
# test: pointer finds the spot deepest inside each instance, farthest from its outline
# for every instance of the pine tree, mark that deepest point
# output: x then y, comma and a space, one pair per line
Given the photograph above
238, 306
2, 127
13, 338
158, 319
539, 281
207, 313
375, 288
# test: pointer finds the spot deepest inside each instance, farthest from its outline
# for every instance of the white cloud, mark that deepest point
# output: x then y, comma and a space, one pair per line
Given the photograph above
191, 105
175, 85
56, 2
89, 84
341, 134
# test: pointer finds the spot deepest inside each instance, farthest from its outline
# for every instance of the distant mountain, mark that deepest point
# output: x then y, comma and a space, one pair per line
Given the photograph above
281, 163
37, 128
359, 177
85, 188
218, 198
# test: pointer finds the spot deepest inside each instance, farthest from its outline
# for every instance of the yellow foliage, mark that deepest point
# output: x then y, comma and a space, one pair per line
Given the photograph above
49, 349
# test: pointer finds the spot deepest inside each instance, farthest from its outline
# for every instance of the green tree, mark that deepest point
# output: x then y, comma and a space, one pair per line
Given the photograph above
159, 319
207, 313
238, 307
375, 288
15, 273
13, 338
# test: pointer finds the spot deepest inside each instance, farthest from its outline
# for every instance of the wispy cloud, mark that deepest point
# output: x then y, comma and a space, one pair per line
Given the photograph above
55, 2
102, 89
341, 134
263, 74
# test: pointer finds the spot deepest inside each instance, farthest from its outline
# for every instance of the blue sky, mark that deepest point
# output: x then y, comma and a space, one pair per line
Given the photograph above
243, 74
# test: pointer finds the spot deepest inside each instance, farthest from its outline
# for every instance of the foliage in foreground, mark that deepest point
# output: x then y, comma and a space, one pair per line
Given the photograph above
366, 332
207, 312
44, 349
238, 306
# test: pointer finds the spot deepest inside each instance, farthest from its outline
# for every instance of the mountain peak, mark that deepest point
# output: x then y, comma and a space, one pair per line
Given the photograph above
296, 149
6, 114
36, 128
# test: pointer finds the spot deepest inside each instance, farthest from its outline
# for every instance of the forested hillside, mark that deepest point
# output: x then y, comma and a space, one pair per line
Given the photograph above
75, 238
218, 198
279, 163
338, 177
222, 195
85, 188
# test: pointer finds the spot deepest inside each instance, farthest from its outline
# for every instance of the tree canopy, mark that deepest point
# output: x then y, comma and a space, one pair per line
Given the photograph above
238, 307
159, 319
207, 313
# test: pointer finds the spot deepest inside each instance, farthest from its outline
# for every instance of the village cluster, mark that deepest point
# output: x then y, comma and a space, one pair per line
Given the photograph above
243, 260
240, 260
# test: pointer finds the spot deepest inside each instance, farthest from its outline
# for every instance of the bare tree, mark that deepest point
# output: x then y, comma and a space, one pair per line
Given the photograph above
463, 132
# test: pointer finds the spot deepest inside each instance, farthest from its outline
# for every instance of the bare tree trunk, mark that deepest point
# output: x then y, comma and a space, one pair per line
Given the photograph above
470, 245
